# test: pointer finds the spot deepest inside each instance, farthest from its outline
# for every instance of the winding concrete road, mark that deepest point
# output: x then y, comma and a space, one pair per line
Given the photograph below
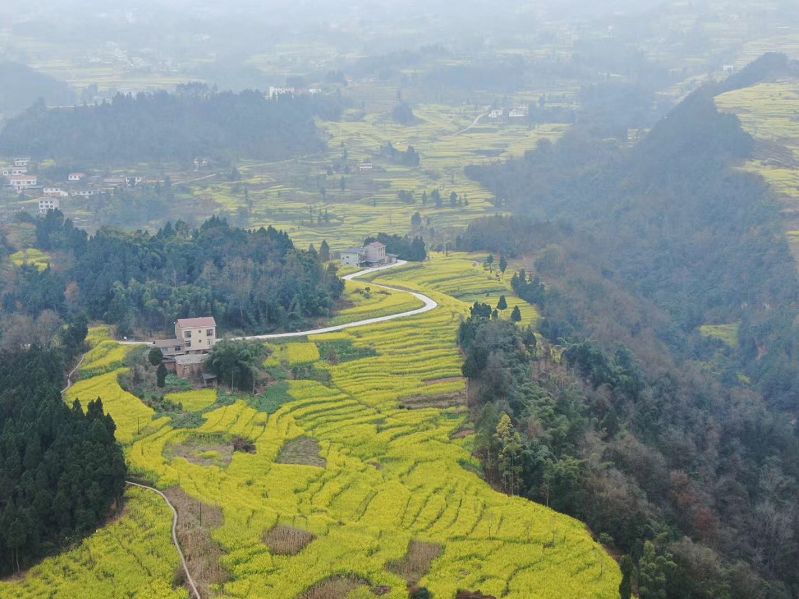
429, 304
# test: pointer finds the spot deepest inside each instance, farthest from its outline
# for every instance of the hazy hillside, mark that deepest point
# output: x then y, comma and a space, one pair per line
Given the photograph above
21, 86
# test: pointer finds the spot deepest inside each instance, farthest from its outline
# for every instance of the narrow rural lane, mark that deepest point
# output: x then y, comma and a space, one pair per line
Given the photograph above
429, 304
474, 124
189, 579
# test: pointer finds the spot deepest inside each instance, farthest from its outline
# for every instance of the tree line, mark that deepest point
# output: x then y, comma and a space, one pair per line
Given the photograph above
678, 450
61, 470
248, 280
149, 127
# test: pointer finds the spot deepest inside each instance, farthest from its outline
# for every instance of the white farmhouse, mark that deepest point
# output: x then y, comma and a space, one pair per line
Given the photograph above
352, 256
47, 204
373, 254
22, 182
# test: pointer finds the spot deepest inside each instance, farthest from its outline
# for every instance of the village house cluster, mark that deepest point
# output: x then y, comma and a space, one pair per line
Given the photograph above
186, 353
50, 195
372, 254
501, 114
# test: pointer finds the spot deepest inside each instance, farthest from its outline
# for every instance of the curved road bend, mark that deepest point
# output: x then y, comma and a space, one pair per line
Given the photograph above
429, 304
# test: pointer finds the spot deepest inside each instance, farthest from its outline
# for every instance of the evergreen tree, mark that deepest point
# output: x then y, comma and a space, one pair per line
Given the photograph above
626, 585
155, 356
516, 314
324, 251
160, 375
502, 304
503, 264
653, 571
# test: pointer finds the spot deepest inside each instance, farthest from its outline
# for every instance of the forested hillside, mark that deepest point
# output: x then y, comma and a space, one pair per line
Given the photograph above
195, 121
675, 221
60, 468
249, 280
674, 444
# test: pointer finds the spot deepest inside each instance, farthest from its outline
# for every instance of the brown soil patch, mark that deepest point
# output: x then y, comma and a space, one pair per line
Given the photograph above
446, 379
302, 450
473, 595
287, 540
416, 562
204, 450
196, 522
334, 587
448, 400
464, 432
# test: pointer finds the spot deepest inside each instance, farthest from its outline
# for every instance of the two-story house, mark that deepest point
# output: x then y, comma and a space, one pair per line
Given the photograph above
196, 335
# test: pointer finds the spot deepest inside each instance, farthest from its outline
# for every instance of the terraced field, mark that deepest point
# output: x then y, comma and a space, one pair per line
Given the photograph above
130, 557
768, 112
288, 194
366, 459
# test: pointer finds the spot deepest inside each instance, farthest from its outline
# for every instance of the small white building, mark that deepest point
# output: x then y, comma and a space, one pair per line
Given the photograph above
22, 182
365, 166
495, 114
84, 193
76, 177
10, 171
22, 162
352, 256
47, 204
55, 192
373, 254
196, 334
274, 92
520, 112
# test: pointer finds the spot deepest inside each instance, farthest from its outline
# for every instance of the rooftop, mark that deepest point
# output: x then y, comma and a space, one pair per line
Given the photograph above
204, 322
166, 343
376, 244
190, 359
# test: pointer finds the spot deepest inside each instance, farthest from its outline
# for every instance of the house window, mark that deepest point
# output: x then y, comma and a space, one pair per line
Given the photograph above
188, 343
187, 334
210, 332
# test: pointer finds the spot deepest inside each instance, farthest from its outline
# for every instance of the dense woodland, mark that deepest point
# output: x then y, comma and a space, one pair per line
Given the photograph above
677, 449
248, 280
61, 470
194, 121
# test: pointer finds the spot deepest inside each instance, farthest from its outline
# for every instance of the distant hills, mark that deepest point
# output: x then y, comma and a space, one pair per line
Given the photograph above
21, 86
195, 121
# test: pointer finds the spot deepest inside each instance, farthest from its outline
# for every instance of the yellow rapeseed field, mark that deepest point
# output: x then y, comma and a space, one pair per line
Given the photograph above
378, 475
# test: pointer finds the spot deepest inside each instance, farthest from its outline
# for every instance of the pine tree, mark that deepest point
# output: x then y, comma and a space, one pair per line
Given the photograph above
502, 304
516, 314
324, 251
625, 588
503, 264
